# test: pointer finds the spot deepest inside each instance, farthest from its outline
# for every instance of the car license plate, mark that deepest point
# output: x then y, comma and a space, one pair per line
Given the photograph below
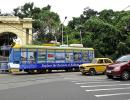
108, 71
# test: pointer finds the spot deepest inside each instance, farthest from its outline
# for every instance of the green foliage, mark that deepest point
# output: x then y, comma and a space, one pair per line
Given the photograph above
107, 31
24, 11
46, 23
74, 37
87, 39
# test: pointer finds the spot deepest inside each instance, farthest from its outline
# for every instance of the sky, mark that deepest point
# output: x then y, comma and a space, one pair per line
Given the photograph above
68, 8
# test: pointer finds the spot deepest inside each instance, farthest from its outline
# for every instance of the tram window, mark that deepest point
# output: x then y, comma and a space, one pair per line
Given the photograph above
23, 56
31, 56
77, 56
69, 55
84, 55
28, 56
60, 55
90, 55
41, 55
50, 55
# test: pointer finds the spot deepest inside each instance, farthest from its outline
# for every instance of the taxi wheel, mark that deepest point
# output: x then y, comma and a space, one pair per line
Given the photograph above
83, 73
125, 75
92, 72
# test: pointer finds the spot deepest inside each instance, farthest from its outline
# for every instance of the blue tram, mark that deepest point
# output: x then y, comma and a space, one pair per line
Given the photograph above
31, 58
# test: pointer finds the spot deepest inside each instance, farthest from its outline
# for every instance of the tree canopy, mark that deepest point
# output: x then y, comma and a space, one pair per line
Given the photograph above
46, 23
107, 31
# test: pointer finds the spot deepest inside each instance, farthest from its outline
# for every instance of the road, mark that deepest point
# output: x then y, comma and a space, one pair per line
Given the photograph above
62, 86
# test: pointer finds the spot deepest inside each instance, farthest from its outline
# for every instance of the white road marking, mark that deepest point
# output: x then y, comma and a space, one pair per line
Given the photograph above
87, 81
83, 81
97, 82
105, 95
74, 81
103, 85
107, 89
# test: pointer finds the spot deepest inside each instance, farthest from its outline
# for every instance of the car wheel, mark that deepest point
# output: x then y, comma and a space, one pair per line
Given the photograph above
109, 76
92, 72
125, 75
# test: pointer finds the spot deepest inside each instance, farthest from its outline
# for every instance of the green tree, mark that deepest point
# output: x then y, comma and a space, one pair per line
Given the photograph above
107, 31
24, 11
46, 23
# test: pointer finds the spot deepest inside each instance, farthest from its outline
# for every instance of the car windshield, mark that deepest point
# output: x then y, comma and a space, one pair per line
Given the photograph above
123, 58
94, 61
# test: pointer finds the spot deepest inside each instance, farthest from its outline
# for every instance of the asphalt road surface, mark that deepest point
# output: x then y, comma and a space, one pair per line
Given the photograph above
62, 86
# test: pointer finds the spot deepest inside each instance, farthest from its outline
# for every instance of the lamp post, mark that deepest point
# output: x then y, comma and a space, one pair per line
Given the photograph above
81, 36
62, 29
67, 40
80, 27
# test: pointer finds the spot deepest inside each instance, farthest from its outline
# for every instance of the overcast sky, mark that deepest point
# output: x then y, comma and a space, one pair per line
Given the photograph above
69, 8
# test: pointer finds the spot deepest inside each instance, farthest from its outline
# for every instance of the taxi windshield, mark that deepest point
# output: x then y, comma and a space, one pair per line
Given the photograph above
94, 61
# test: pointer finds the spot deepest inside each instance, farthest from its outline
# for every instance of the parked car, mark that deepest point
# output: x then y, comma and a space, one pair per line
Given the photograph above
98, 65
121, 68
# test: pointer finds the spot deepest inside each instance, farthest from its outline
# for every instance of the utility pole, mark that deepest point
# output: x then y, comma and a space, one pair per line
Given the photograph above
62, 30
81, 36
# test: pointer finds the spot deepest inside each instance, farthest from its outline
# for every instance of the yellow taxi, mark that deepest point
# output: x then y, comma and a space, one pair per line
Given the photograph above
98, 65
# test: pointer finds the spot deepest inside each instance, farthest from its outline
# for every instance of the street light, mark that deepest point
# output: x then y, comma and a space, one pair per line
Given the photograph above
80, 27
81, 36
62, 28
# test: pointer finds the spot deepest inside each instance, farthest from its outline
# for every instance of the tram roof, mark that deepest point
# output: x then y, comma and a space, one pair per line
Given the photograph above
51, 47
